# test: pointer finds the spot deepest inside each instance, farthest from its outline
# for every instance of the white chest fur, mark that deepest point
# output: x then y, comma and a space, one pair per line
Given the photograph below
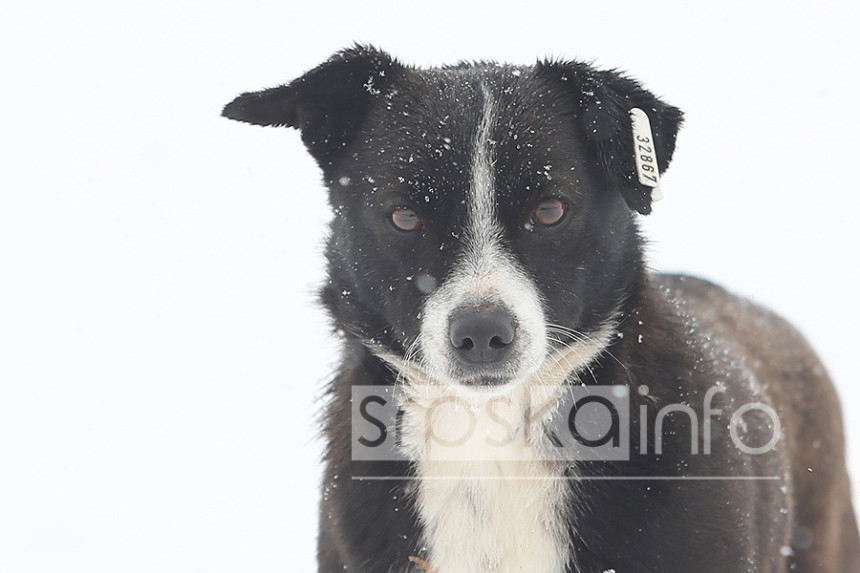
489, 504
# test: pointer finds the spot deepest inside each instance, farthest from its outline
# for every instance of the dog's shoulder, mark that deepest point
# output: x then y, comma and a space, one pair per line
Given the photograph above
756, 331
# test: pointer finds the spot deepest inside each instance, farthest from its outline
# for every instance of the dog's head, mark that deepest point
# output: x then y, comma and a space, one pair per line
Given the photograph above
484, 231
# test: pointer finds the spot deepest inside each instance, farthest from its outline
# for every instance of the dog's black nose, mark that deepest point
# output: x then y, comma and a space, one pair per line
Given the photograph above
482, 337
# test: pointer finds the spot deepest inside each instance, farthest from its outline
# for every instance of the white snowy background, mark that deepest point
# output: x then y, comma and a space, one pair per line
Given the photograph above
160, 353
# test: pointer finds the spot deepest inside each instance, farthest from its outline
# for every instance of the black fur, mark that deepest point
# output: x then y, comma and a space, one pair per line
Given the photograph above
388, 135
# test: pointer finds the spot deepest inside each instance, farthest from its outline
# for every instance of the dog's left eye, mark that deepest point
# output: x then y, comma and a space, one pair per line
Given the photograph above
406, 220
549, 212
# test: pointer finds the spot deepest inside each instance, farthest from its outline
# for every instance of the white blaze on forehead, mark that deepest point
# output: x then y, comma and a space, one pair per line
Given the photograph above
484, 230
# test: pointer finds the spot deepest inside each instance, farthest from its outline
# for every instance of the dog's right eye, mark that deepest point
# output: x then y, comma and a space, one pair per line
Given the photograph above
406, 220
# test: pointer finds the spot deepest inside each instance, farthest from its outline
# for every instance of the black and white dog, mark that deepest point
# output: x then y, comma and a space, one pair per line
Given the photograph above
484, 246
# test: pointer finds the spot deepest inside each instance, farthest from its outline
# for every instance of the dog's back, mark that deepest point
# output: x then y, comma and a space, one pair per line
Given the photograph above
823, 534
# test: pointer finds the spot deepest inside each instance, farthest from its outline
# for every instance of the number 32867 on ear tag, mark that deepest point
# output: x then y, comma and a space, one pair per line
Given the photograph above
645, 153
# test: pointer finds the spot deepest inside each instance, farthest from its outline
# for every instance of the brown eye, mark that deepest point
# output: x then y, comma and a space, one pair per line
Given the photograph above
405, 219
549, 212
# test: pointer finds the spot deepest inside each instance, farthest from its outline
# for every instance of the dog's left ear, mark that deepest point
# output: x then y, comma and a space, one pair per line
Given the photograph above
327, 104
603, 100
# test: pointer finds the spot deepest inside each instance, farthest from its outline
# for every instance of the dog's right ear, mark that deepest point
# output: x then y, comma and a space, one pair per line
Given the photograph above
327, 104
603, 101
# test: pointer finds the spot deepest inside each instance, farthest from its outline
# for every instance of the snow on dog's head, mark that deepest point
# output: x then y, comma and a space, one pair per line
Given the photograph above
484, 232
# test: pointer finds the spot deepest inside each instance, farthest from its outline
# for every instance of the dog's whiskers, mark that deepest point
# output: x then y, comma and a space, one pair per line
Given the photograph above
584, 338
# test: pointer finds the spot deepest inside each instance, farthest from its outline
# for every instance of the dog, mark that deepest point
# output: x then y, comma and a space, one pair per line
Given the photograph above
484, 259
